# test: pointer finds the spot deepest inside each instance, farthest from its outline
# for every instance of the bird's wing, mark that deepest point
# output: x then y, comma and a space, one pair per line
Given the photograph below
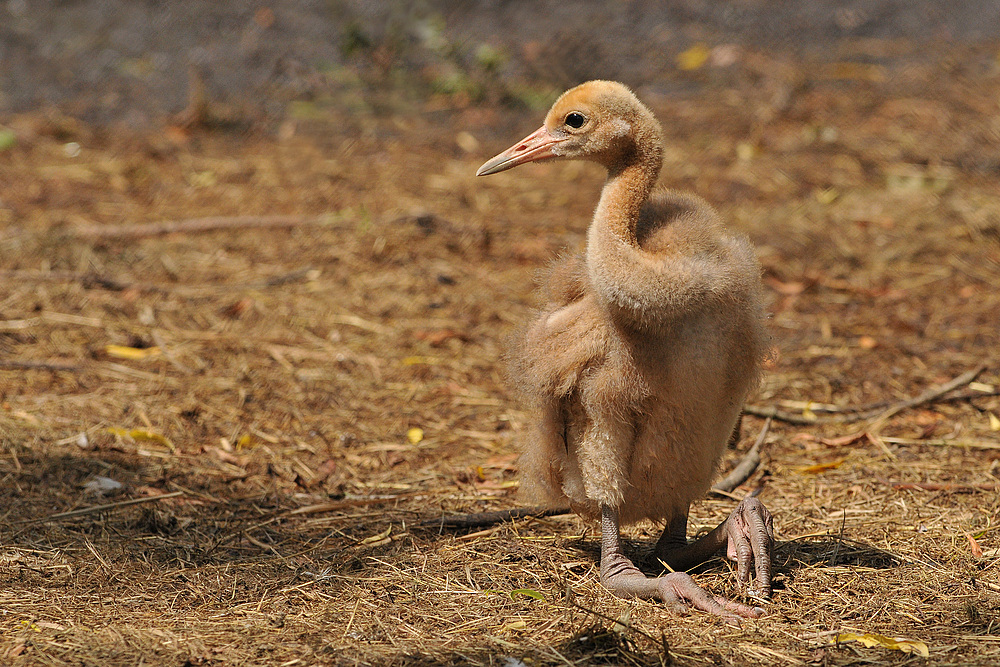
558, 346
566, 281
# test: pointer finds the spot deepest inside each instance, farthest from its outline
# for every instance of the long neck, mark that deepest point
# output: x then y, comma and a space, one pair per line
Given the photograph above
630, 180
618, 271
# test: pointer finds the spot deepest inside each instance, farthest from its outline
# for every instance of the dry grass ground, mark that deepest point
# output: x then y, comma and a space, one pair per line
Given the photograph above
263, 404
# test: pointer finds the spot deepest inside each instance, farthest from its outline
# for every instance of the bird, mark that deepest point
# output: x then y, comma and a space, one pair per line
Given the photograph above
637, 364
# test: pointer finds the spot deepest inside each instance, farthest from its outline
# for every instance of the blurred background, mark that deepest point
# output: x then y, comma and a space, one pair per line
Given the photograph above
132, 63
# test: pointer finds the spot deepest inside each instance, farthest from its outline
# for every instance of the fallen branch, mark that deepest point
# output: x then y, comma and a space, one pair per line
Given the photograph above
92, 280
940, 486
931, 394
101, 508
746, 466
14, 365
480, 519
192, 226
336, 505
941, 442
880, 413
87, 279
781, 415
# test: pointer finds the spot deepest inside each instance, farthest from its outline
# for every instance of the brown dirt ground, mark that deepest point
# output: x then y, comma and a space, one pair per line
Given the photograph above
295, 361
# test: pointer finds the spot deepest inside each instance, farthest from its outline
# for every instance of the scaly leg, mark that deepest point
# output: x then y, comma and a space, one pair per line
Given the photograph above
747, 535
677, 589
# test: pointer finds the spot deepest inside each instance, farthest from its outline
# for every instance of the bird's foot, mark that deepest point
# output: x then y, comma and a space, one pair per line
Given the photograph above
749, 540
677, 590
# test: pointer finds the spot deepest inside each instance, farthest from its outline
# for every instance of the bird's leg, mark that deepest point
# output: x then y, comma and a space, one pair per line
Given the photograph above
677, 589
747, 535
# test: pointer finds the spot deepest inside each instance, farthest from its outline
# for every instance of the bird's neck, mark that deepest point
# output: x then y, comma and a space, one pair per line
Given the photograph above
630, 181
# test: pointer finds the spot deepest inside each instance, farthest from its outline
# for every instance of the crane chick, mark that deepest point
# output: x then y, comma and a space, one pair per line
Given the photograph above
638, 365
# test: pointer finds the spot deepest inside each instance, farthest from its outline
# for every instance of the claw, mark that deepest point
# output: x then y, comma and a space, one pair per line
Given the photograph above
750, 534
679, 590
676, 590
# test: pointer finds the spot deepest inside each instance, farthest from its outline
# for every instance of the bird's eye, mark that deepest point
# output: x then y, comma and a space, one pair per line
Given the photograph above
575, 119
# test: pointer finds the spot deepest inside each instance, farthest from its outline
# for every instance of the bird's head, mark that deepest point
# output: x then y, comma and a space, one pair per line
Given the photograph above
602, 121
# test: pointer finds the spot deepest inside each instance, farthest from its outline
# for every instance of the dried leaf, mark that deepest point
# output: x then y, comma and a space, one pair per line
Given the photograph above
745, 151
326, 468
977, 550
871, 639
239, 308
994, 421
826, 196
528, 593
102, 486
820, 467
7, 139
28, 417
377, 538
439, 337
264, 17
50, 626
786, 288
693, 58
867, 343
467, 142
417, 360
513, 662
624, 622
855, 71
139, 434
225, 457
30, 625
125, 352
849, 439
15, 650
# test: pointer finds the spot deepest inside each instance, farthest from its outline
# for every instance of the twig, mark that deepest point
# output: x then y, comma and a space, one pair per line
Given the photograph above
86, 278
336, 505
291, 277
91, 280
965, 444
746, 466
479, 533
929, 395
15, 365
855, 414
192, 226
481, 519
100, 508
781, 415
941, 486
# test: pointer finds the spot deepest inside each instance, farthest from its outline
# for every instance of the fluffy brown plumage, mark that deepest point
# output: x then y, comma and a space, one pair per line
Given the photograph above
640, 360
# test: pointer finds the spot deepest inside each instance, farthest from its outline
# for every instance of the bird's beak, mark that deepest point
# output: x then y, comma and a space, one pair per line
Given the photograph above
536, 146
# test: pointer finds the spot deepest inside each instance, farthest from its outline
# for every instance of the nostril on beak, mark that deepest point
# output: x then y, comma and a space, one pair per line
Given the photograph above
520, 148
